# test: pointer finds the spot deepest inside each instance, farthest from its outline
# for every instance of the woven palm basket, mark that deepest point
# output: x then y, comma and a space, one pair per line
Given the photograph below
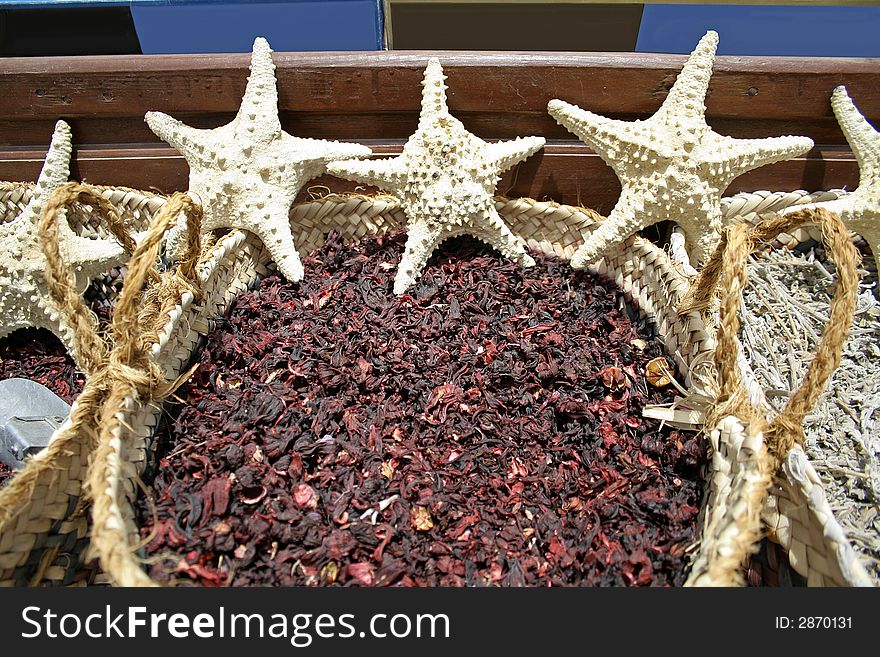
651, 282
795, 513
43, 517
46, 544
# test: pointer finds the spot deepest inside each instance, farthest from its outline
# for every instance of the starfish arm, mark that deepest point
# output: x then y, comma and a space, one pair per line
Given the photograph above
492, 230
433, 92
861, 215
856, 212
275, 233
686, 98
257, 119
56, 169
387, 174
421, 241
50, 317
504, 154
87, 257
12, 316
328, 151
19, 311
65, 332
90, 258
24, 300
862, 137
189, 141
702, 233
623, 222
55, 172
95, 255
728, 157
608, 137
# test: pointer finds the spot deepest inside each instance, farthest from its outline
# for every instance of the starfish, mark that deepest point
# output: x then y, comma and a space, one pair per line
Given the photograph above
24, 295
445, 180
860, 209
672, 166
248, 172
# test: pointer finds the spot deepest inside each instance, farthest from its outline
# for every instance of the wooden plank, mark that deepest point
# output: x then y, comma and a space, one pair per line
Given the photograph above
631, 84
566, 172
88, 131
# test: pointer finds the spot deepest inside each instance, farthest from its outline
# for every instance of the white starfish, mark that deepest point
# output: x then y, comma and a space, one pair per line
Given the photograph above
445, 179
248, 172
672, 166
860, 209
24, 295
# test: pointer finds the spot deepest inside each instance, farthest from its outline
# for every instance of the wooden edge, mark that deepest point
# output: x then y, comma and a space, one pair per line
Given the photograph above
417, 59
390, 81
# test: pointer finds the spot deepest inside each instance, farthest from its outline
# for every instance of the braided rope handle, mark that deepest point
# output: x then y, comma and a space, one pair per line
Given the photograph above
757, 449
91, 350
728, 265
141, 308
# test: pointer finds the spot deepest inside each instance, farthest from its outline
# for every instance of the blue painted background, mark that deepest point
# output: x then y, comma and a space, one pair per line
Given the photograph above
232, 27
763, 30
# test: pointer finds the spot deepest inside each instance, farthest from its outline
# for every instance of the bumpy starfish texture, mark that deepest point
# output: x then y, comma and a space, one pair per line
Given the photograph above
24, 295
672, 166
445, 179
859, 210
248, 172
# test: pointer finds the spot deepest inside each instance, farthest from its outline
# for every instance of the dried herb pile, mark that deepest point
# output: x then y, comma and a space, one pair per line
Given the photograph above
38, 355
485, 429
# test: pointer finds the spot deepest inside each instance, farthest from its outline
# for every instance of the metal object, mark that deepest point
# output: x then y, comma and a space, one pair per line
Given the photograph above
30, 414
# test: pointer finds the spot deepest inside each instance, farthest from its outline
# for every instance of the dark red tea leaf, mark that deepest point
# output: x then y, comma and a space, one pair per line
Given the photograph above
483, 429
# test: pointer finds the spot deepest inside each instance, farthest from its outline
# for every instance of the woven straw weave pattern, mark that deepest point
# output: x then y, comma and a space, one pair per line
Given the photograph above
734, 474
649, 280
43, 525
798, 517
40, 522
796, 513
136, 208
